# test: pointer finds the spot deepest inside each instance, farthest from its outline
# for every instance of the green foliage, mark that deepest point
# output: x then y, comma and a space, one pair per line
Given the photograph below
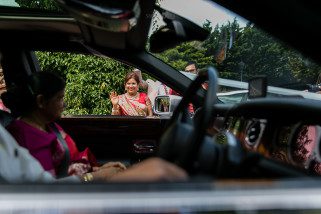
89, 80
191, 51
256, 53
39, 4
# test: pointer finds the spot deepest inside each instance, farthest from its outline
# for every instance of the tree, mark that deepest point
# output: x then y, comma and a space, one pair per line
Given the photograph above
252, 52
179, 56
39, 4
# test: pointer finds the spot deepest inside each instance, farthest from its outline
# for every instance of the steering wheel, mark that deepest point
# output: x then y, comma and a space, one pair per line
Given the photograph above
183, 137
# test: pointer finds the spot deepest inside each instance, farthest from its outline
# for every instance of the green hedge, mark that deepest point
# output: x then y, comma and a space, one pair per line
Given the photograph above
89, 80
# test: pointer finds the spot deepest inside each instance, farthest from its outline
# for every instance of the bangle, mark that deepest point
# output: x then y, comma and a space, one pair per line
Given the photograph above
114, 111
88, 177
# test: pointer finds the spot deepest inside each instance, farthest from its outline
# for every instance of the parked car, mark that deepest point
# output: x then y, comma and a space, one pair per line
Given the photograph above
254, 156
233, 91
232, 97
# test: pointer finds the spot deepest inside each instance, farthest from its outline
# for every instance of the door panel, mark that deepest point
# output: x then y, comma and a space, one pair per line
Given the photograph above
112, 137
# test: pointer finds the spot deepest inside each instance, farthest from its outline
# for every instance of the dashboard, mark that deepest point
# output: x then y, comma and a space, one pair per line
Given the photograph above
295, 144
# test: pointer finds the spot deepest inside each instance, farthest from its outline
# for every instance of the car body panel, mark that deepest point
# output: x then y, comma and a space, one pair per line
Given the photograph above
111, 136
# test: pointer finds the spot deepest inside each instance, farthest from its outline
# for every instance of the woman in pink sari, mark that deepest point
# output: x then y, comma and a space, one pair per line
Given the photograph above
132, 103
38, 104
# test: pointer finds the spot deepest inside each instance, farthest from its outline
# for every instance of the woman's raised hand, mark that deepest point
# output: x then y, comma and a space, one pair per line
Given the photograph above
114, 98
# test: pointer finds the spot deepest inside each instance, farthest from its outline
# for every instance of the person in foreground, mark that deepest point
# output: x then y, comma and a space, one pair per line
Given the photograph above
18, 166
38, 103
132, 103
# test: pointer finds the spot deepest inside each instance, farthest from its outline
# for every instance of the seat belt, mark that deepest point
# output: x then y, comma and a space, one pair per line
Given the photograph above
63, 168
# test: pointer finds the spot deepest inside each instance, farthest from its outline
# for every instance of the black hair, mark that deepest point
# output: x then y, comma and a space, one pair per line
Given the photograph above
21, 99
192, 63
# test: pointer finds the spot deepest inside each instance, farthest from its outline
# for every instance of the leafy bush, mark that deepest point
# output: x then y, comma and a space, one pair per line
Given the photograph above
89, 80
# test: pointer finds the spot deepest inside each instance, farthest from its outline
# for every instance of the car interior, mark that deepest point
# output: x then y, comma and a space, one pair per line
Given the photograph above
237, 154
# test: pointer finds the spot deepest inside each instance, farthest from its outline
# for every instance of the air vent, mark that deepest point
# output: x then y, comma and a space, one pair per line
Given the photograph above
253, 132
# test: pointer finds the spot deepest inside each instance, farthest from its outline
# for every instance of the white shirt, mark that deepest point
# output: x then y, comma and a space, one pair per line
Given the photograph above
156, 88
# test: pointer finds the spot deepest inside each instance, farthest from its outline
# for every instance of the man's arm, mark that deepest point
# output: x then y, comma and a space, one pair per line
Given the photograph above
152, 169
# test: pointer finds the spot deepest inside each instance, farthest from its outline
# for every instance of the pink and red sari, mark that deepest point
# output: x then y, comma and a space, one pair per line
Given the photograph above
134, 107
49, 151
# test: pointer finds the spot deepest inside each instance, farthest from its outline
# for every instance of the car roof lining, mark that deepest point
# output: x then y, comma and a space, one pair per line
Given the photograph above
39, 32
43, 30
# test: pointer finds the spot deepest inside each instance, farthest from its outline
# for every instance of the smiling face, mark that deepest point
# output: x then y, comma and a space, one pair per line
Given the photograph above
131, 86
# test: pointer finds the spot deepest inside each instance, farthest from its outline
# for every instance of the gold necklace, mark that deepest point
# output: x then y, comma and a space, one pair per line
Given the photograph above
131, 97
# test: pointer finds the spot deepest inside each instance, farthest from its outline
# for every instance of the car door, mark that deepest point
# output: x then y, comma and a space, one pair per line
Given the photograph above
129, 138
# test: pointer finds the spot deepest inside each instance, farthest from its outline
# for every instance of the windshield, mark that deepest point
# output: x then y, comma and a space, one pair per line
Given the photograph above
240, 51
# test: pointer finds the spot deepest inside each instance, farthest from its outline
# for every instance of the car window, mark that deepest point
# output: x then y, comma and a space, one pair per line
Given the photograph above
232, 96
240, 51
90, 80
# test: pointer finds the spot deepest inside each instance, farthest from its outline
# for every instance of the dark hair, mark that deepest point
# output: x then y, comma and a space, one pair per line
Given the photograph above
131, 75
22, 99
192, 63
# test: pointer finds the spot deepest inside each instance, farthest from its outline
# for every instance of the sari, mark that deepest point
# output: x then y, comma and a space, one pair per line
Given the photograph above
49, 151
134, 106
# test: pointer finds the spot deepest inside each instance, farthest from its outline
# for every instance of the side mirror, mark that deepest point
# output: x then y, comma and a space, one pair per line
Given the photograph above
165, 104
